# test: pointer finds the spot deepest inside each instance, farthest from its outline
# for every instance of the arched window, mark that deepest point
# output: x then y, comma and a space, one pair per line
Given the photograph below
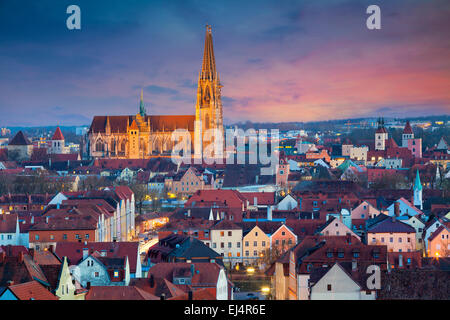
207, 96
99, 146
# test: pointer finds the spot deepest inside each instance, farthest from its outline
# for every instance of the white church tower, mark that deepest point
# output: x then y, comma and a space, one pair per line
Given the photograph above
57, 142
381, 135
407, 134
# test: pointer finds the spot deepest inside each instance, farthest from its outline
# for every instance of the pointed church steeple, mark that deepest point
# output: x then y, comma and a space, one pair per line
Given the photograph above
141, 104
417, 183
208, 109
209, 62
418, 192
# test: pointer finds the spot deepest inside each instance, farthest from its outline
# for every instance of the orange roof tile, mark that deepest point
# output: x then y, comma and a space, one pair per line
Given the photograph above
32, 290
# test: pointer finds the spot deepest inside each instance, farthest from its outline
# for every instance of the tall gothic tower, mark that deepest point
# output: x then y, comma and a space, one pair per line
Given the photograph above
208, 109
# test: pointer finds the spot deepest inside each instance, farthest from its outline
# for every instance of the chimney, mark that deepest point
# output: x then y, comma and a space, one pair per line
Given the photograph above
397, 209
85, 253
10, 283
400, 261
190, 295
20, 256
269, 213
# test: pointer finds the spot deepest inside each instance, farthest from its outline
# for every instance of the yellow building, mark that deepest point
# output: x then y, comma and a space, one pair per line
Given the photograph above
66, 289
255, 243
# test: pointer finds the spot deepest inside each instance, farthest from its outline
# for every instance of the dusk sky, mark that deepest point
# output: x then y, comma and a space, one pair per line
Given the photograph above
278, 60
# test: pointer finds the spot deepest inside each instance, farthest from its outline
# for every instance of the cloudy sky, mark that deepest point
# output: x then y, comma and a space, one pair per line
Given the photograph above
279, 60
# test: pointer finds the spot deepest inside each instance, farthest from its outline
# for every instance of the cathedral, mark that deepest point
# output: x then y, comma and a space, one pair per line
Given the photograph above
141, 136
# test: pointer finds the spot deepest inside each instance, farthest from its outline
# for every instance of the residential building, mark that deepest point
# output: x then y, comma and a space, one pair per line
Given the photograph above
226, 239
396, 235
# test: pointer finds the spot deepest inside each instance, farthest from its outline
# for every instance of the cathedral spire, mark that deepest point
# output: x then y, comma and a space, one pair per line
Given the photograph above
141, 104
209, 63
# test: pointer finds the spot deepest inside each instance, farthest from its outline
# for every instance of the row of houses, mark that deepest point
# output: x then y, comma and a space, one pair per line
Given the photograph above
93, 216
108, 271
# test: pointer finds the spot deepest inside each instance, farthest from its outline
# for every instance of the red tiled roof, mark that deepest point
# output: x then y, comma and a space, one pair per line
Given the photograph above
58, 134
201, 294
381, 130
263, 198
19, 267
390, 143
230, 198
302, 228
74, 251
134, 126
8, 223
31, 290
336, 244
13, 250
226, 225
20, 140
206, 274
158, 287
118, 124
408, 129
118, 293
44, 258
73, 222
390, 225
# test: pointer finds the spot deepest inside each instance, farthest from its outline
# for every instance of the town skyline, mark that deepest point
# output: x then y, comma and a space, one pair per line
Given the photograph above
306, 70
